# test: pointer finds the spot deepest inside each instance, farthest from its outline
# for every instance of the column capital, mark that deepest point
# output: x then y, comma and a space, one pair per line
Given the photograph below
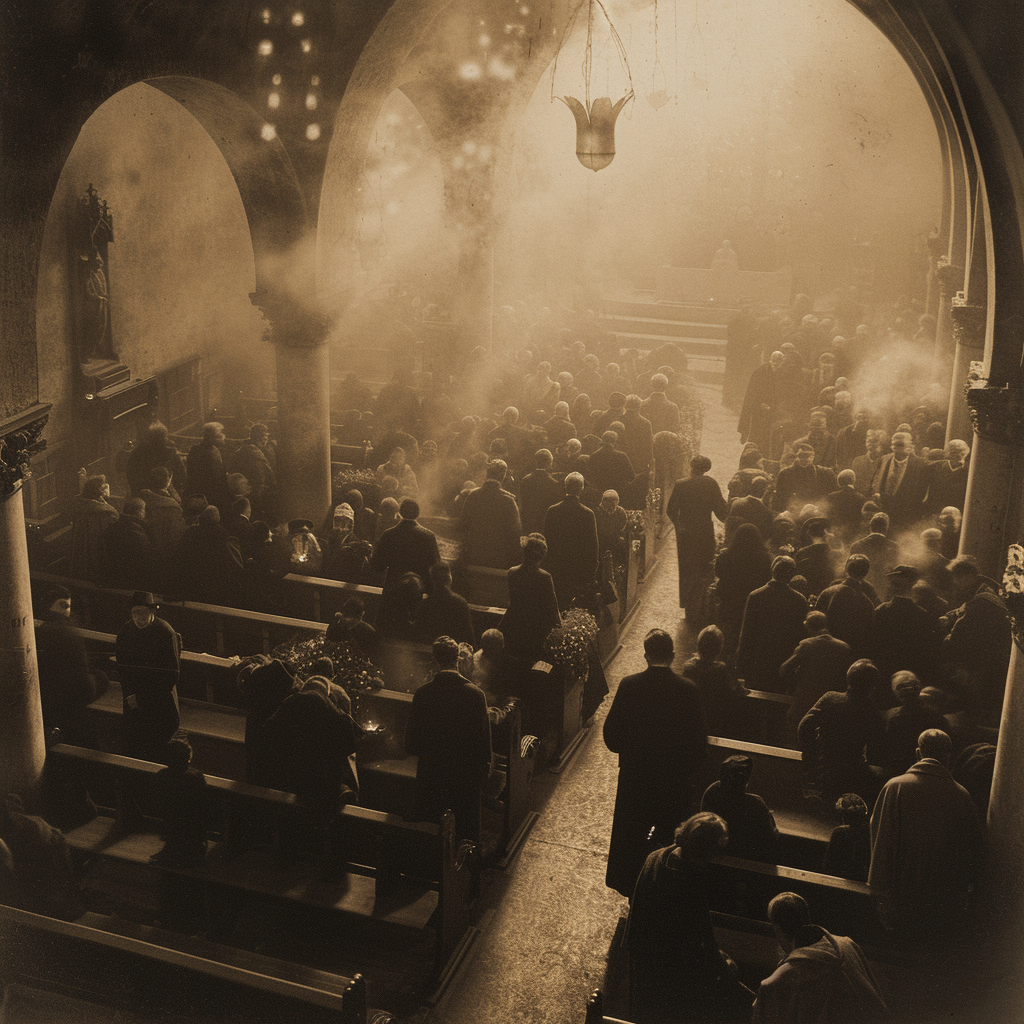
969, 321
292, 324
20, 439
996, 412
951, 276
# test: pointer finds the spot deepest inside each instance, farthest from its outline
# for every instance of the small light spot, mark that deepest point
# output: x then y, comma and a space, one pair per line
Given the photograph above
314, 81
265, 15
469, 147
471, 72
485, 41
268, 133
276, 79
310, 101
306, 45
312, 132
298, 19
266, 48
274, 100
524, 9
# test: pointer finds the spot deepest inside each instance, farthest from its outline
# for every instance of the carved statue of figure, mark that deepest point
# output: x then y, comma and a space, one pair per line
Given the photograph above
97, 342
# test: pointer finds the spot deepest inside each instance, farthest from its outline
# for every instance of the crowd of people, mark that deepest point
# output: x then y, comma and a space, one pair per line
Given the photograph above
833, 578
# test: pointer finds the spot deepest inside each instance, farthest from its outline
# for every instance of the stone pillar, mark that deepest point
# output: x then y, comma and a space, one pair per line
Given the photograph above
992, 511
22, 745
1006, 804
969, 334
936, 249
303, 406
950, 281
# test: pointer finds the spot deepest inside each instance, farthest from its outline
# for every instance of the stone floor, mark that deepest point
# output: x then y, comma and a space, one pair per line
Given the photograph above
549, 920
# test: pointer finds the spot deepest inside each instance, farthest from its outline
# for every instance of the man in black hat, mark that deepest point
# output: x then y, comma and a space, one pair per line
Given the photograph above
148, 655
904, 637
814, 561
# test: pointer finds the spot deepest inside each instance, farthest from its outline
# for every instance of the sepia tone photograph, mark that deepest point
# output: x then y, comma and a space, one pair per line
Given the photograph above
312, 710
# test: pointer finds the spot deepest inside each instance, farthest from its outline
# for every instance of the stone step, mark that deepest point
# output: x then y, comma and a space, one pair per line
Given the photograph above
666, 328
677, 311
644, 341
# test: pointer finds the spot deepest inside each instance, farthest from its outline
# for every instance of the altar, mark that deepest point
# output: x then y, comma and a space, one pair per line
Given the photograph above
723, 286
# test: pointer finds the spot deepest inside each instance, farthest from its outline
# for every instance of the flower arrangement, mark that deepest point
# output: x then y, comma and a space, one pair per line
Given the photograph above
352, 478
635, 521
569, 644
653, 507
352, 669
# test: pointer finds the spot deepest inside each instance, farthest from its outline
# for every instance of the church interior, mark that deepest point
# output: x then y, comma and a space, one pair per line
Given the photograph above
371, 257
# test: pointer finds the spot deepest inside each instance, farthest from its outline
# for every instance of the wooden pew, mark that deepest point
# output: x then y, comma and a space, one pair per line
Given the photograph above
316, 598
203, 677
207, 628
389, 873
139, 969
387, 776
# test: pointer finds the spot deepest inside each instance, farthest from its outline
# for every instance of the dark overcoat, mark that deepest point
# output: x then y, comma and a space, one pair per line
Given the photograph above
532, 612
449, 733
656, 725
571, 532
693, 502
147, 666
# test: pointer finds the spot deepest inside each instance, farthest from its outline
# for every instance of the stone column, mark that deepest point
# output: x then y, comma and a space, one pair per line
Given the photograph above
950, 281
303, 406
22, 745
969, 334
936, 249
1006, 804
992, 510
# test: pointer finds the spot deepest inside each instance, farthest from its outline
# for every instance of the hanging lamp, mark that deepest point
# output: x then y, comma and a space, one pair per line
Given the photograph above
595, 119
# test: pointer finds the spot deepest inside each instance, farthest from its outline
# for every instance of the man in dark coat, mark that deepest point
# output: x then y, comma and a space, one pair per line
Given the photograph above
896, 750
165, 521
814, 561
926, 845
757, 414
206, 472
656, 725
977, 647
901, 483
691, 506
489, 523
155, 448
850, 605
658, 409
264, 685
208, 565
538, 491
306, 744
804, 481
406, 547
251, 461
148, 656
443, 612
947, 479
131, 560
752, 509
881, 552
532, 604
450, 734
773, 624
570, 530
67, 686
836, 733
852, 440
638, 441
608, 468
816, 667
904, 637
844, 506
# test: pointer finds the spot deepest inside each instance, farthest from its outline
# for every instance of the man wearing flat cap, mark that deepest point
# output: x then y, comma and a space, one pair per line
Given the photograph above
904, 637
148, 656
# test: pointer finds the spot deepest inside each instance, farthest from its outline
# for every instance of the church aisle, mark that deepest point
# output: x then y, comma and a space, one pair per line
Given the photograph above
549, 920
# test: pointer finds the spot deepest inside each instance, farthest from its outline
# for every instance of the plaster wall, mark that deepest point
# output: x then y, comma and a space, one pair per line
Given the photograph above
181, 263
